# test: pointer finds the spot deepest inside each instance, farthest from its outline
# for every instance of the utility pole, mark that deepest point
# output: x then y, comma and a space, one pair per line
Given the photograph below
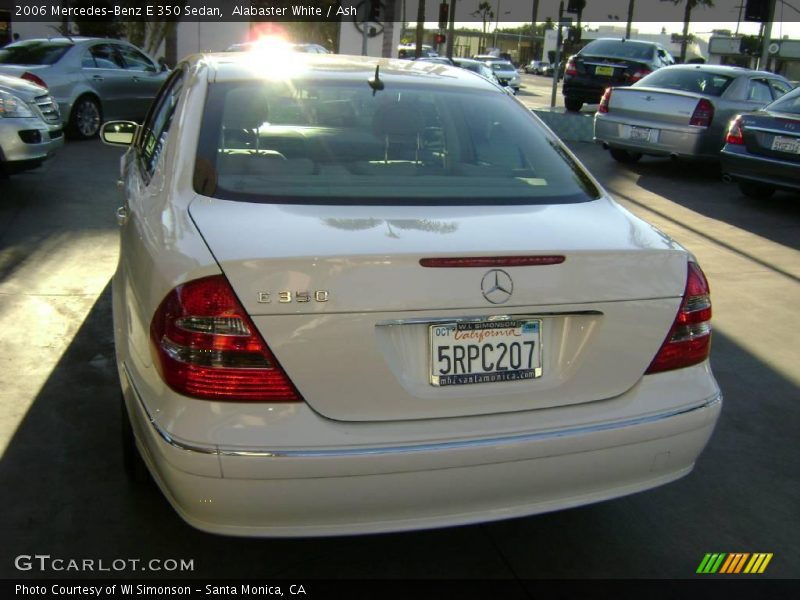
451, 28
631, 4
364, 28
767, 38
557, 69
420, 28
496, 24
534, 16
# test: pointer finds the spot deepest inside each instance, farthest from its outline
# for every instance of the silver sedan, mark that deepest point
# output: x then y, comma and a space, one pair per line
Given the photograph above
681, 111
92, 79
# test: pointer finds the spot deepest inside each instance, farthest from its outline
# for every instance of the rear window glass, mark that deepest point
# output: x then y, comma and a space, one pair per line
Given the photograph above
33, 53
688, 80
503, 67
790, 103
330, 142
619, 49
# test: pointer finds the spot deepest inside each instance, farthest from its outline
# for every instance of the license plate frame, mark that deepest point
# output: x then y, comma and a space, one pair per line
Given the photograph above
516, 333
642, 134
789, 145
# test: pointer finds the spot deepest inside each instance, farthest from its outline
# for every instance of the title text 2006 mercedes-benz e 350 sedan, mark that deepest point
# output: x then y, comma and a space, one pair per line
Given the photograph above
360, 299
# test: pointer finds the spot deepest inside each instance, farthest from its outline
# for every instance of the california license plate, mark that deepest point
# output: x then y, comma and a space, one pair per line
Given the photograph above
642, 134
786, 144
606, 71
485, 351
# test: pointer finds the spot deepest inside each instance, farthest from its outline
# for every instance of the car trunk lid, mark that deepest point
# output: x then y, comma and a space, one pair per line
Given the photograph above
776, 135
655, 105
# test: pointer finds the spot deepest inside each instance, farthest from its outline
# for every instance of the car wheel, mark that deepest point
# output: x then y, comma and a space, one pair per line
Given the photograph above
573, 104
85, 119
756, 190
132, 461
624, 156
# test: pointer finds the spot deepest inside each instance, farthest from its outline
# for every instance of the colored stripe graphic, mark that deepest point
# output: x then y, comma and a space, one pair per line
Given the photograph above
734, 563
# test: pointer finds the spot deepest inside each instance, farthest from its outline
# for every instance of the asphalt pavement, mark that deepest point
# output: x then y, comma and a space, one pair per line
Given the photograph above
64, 494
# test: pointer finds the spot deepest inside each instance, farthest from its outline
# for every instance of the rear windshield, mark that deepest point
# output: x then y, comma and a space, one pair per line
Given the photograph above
331, 142
33, 53
688, 80
790, 103
619, 49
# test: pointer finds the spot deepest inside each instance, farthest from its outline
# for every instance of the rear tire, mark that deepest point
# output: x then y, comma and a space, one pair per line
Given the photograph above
85, 119
573, 104
132, 461
756, 190
624, 156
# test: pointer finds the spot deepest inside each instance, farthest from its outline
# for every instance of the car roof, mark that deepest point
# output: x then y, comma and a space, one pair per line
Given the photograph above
623, 40
237, 66
730, 70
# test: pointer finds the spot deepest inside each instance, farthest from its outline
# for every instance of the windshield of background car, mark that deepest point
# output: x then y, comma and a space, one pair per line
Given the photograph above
688, 80
504, 67
33, 52
790, 103
333, 142
619, 49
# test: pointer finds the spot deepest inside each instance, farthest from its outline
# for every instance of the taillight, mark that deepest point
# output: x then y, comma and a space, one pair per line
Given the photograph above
689, 340
703, 114
205, 345
570, 68
603, 108
735, 134
28, 76
639, 74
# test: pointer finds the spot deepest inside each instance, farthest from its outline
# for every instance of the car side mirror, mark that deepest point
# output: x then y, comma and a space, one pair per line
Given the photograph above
119, 133
162, 63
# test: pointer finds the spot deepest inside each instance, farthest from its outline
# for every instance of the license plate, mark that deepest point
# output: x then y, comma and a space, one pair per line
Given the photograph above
485, 351
642, 134
786, 144
607, 71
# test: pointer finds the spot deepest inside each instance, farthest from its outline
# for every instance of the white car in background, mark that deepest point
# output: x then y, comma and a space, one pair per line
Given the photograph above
363, 295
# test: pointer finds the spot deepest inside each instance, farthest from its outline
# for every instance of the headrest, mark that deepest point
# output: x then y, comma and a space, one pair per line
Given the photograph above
397, 119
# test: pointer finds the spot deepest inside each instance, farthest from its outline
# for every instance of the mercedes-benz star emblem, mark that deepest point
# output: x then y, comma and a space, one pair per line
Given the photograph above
497, 286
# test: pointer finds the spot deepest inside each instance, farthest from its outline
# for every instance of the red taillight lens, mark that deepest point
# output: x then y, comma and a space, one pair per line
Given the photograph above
636, 76
570, 68
703, 114
28, 76
206, 346
603, 108
689, 340
735, 133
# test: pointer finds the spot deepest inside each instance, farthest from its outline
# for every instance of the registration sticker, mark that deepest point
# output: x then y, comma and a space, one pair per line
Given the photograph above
485, 351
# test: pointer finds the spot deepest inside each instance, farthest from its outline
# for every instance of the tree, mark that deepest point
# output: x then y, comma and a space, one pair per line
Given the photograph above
687, 17
486, 14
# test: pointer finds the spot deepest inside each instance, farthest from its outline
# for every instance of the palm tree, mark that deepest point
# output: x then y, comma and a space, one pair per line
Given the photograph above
486, 14
687, 17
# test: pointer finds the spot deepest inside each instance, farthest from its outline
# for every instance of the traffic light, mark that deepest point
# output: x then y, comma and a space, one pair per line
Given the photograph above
375, 11
576, 6
443, 15
439, 38
750, 45
756, 10
574, 35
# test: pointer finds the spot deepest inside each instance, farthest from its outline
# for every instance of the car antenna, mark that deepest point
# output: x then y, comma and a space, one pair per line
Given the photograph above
375, 83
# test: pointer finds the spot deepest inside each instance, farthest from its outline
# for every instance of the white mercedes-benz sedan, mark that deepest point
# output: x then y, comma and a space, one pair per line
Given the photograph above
361, 295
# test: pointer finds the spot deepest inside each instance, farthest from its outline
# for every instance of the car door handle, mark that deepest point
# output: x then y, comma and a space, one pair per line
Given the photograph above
122, 215
97, 77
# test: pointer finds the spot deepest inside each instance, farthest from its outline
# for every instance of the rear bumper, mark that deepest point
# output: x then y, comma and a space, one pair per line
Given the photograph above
760, 169
681, 142
587, 90
370, 489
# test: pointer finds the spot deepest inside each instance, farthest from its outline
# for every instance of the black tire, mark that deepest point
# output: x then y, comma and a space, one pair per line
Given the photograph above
573, 104
132, 461
756, 190
624, 156
85, 119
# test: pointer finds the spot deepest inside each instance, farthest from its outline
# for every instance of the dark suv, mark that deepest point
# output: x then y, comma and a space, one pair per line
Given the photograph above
609, 62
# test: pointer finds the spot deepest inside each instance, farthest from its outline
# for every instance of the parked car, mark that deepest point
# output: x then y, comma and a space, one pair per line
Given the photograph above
681, 111
91, 79
441, 60
30, 125
762, 150
506, 74
489, 58
353, 299
609, 62
537, 67
478, 67
409, 51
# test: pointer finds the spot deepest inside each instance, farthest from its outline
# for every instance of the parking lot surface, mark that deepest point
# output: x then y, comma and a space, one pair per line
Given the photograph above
64, 492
